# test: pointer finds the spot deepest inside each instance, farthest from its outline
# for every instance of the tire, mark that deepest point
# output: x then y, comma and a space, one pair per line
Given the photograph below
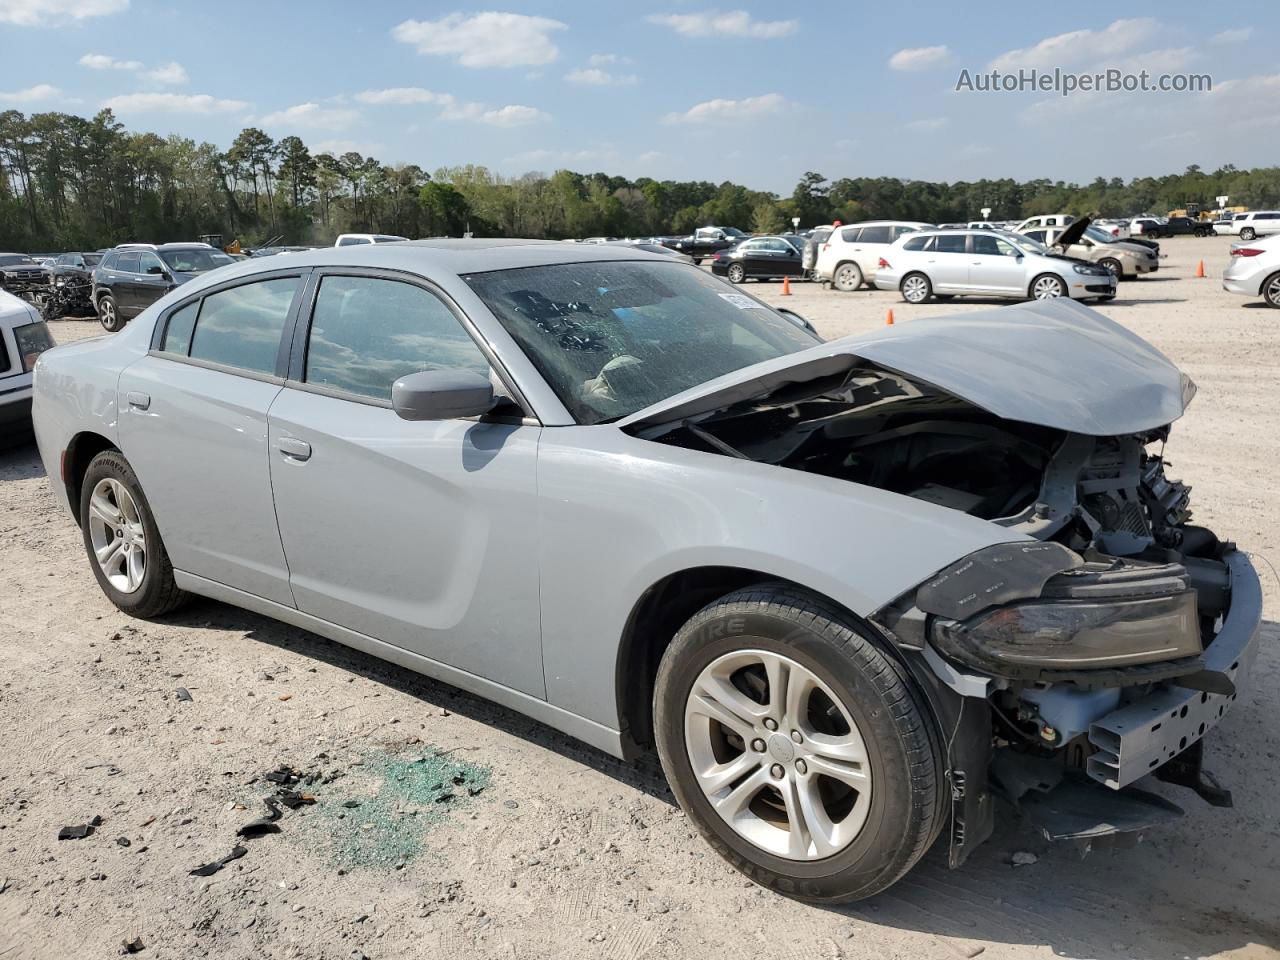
1248, 233
736, 273
1271, 290
1047, 287
916, 288
847, 277
944, 296
110, 479
109, 314
1106, 299
851, 683
1114, 265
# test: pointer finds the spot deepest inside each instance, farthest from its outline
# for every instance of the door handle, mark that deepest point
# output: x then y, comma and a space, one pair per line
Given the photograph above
140, 401
294, 448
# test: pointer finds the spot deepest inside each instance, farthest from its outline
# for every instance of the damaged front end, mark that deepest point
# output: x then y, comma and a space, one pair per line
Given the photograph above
1103, 641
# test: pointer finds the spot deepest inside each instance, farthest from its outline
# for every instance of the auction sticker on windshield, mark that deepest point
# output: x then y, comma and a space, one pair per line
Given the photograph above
741, 302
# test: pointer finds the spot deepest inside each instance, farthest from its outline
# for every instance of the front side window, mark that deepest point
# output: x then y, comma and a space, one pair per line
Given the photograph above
611, 338
194, 260
149, 263
367, 333
241, 327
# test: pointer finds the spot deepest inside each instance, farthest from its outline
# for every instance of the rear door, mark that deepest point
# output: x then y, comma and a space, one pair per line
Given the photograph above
193, 423
947, 264
416, 533
873, 241
124, 284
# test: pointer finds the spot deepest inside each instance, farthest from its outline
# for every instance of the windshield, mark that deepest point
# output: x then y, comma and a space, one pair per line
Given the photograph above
15, 259
611, 338
194, 261
1098, 236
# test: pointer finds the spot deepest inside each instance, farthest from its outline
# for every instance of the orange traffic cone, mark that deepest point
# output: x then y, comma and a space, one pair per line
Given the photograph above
786, 286
888, 321
1200, 269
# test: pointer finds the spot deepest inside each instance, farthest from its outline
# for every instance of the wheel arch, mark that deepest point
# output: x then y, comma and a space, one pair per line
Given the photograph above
77, 456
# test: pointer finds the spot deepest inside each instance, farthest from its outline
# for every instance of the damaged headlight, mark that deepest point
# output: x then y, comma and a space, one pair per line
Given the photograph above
1075, 634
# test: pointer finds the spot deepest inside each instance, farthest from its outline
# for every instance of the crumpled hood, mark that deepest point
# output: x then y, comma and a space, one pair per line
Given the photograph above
1054, 363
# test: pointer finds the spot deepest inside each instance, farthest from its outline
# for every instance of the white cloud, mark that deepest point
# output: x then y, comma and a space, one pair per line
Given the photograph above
172, 103
172, 73
732, 23
487, 39
512, 115
919, 58
310, 116
403, 95
41, 91
1068, 49
595, 77
1238, 35
606, 59
720, 110
41, 13
100, 61
929, 123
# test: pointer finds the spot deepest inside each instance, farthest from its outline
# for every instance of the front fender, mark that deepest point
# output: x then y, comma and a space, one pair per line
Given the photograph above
618, 514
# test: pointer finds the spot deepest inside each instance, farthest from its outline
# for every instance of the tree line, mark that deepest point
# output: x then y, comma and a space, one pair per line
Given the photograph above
70, 182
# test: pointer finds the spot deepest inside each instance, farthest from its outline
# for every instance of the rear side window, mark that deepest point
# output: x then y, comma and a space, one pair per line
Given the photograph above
351, 241
127, 263
850, 234
367, 332
177, 333
241, 327
918, 243
109, 261
949, 243
875, 235
1040, 235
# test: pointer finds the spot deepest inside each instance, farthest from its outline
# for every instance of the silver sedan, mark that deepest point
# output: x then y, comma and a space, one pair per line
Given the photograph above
850, 592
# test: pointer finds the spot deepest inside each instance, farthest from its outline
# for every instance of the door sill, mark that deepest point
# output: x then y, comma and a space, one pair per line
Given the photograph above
588, 731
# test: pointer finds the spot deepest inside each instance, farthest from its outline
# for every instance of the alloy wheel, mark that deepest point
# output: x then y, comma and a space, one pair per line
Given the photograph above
117, 535
1272, 291
915, 289
1048, 288
108, 310
736, 273
779, 758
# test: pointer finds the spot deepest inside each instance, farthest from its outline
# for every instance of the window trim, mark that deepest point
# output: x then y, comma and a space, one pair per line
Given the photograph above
286, 334
296, 367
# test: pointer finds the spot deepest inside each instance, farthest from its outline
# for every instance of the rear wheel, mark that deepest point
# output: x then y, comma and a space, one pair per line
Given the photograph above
1271, 290
1248, 233
737, 273
916, 288
122, 540
109, 313
798, 747
847, 278
1048, 287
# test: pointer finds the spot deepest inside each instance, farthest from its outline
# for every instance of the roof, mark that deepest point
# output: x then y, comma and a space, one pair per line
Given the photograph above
450, 256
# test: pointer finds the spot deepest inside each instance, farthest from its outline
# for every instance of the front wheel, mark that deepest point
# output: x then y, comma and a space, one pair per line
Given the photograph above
847, 278
737, 273
122, 540
797, 746
1114, 266
109, 313
1048, 287
916, 288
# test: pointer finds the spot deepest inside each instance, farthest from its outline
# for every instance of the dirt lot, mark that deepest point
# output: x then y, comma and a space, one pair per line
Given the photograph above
446, 827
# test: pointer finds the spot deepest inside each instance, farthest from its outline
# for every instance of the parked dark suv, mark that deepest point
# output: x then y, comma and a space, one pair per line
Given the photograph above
132, 277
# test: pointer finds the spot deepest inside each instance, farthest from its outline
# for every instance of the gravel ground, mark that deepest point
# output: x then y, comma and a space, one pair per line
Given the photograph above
446, 827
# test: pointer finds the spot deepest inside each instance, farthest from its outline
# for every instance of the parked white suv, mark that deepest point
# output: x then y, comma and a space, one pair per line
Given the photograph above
1256, 223
850, 256
1045, 220
352, 239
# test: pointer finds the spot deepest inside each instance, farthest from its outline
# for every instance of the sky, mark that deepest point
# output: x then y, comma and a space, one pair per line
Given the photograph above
757, 93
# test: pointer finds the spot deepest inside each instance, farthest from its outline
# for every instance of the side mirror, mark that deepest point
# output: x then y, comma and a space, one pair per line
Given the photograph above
798, 320
441, 395
155, 271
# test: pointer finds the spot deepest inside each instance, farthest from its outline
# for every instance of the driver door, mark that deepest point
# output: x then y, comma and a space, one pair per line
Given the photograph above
418, 534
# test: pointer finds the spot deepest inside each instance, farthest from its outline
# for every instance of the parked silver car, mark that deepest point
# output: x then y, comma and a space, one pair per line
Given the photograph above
852, 592
987, 263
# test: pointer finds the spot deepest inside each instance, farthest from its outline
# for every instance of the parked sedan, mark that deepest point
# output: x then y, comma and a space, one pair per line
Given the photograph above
1254, 270
761, 258
987, 263
23, 337
851, 591
133, 276
1125, 259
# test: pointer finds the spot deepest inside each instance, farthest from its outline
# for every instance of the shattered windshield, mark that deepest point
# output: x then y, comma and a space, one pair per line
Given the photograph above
614, 337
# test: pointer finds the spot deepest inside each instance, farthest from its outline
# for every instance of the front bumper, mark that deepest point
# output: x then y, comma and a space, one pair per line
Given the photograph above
15, 413
1144, 734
